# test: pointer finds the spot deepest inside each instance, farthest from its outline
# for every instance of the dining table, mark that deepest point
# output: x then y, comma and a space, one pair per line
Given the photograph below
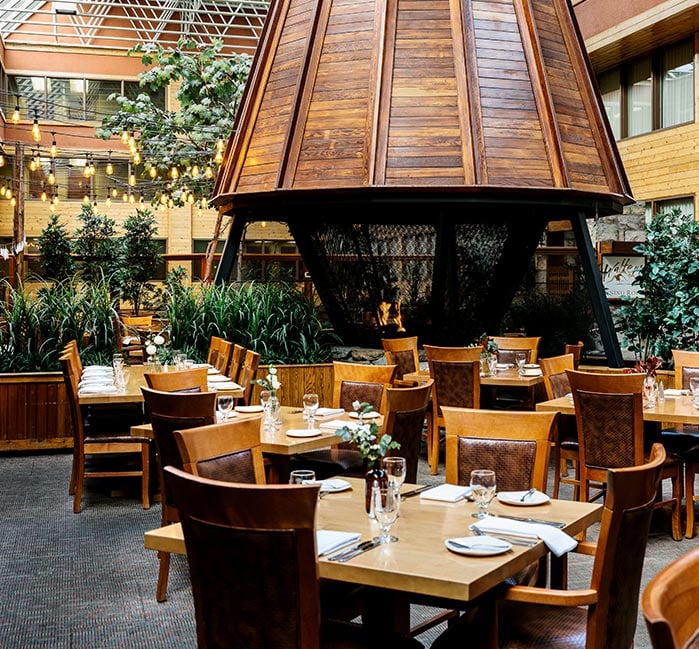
135, 380
419, 566
278, 445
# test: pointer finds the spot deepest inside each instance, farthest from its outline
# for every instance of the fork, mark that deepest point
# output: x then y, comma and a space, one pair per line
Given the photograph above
514, 540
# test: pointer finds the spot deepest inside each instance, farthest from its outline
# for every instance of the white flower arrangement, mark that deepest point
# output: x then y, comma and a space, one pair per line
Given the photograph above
271, 382
153, 343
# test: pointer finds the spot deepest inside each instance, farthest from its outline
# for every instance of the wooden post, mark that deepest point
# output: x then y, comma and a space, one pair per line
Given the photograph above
18, 218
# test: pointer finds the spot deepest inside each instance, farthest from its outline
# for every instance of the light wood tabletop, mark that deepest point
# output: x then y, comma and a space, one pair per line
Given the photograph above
674, 410
135, 380
419, 562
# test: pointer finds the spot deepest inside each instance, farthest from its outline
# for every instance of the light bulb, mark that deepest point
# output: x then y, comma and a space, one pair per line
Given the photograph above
54, 149
171, 203
9, 193
55, 200
153, 171
195, 171
125, 197
219, 144
52, 178
174, 173
190, 199
109, 169
15, 115
108, 202
2, 160
114, 192
125, 136
132, 180
132, 198
13, 201
86, 199
32, 165
218, 158
36, 133
43, 197
209, 172
52, 208
136, 158
3, 190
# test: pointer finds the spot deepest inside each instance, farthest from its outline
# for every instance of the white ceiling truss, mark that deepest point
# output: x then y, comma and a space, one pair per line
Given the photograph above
121, 24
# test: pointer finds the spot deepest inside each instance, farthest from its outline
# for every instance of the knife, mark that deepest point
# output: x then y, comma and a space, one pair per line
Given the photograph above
358, 547
538, 521
370, 545
415, 492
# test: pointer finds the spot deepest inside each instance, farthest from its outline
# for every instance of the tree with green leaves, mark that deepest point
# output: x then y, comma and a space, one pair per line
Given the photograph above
55, 247
139, 258
94, 246
665, 316
179, 150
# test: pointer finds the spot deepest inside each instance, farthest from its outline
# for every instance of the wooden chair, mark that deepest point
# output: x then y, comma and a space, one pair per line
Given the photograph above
220, 352
168, 412
346, 375
253, 566
88, 447
609, 418
456, 383
576, 349
566, 448
602, 616
191, 380
437, 353
129, 332
684, 440
670, 604
406, 409
508, 345
516, 445
403, 353
248, 374
228, 451
236, 364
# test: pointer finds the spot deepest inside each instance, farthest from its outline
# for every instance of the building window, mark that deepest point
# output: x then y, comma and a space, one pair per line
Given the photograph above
684, 204
199, 264
77, 99
650, 93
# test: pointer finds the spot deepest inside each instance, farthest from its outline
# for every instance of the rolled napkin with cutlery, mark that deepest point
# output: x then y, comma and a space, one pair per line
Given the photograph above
556, 539
449, 493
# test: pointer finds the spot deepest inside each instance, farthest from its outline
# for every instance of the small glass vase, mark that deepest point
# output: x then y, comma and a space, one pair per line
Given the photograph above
273, 414
485, 364
650, 390
375, 475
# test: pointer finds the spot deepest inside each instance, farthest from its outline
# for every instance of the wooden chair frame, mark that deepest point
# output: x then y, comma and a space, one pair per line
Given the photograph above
220, 352
236, 364
504, 425
394, 345
520, 343
208, 442
361, 372
247, 375
556, 366
576, 349
177, 380
437, 353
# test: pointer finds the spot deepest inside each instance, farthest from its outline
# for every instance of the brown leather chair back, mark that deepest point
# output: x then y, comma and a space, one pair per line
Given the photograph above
252, 561
403, 353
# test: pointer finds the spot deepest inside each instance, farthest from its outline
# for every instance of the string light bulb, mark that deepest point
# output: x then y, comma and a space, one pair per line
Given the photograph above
132, 180
109, 169
86, 199
3, 190
209, 172
153, 171
132, 198
15, 114
8, 193
36, 132
218, 158
43, 196
125, 136
174, 173
13, 201
54, 148
108, 202
125, 197
195, 171
52, 174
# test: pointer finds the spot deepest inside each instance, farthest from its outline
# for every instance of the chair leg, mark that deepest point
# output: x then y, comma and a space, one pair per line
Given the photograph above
145, 476
73, 476
677, 487
78, 496
559, 465
689, 473
163, 574
434, 452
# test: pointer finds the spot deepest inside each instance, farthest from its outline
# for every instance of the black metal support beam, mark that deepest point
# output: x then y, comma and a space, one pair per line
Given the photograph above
593, 278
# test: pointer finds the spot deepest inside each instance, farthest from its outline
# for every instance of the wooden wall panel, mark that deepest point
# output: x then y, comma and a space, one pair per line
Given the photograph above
297, 380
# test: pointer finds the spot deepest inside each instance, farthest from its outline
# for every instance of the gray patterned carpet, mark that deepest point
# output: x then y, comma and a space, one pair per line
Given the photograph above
85, 582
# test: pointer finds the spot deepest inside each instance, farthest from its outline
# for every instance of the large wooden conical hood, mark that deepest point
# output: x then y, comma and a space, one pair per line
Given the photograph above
417, 150
474, 95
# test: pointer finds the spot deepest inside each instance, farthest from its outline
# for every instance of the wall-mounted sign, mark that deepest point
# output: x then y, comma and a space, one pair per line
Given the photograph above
618, 273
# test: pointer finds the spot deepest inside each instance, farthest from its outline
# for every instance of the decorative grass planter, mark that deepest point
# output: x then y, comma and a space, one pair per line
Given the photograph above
34, 412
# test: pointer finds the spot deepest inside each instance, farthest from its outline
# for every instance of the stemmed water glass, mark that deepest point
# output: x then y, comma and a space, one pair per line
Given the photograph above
520, 359
395, 469
310, 405
386, 507
224, 404
483, 486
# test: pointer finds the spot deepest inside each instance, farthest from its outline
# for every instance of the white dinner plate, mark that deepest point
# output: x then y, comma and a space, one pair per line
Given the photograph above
249, 408
213, 370
515, 498
310, 432
478, 546
368, 415
218, 378
334, 485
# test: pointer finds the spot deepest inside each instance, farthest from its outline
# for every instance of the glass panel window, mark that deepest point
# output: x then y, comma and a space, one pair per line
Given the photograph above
610, 89
199, 265
639, 102
677, 87
32, 96
66, 98
685, 205
97, 105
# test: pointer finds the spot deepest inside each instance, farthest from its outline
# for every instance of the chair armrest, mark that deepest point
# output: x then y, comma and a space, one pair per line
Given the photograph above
586, 547
532, 595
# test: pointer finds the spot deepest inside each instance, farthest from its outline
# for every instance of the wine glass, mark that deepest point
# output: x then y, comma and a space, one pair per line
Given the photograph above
483, 485
225, 405
302, 476
650, 391
520, 359
395, 470
694, 386
386, 506
310, 405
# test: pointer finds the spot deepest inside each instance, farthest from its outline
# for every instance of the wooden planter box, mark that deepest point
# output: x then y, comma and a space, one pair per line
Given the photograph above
34, 412
297, 380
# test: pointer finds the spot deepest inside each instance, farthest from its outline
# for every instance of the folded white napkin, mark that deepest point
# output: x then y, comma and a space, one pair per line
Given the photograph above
448, 493
334, 484
223, 385
336, 424
97, 389
329, 412
97, 368
331, 540
556, 539
673, 392
504, 366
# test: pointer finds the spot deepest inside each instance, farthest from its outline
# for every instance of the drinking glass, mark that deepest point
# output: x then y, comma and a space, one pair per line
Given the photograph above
395, 470
650, 391
302, 476
225, 405
520, 359
694, 385
118, 366
310, 405
386, 507
180, 358
483, 485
